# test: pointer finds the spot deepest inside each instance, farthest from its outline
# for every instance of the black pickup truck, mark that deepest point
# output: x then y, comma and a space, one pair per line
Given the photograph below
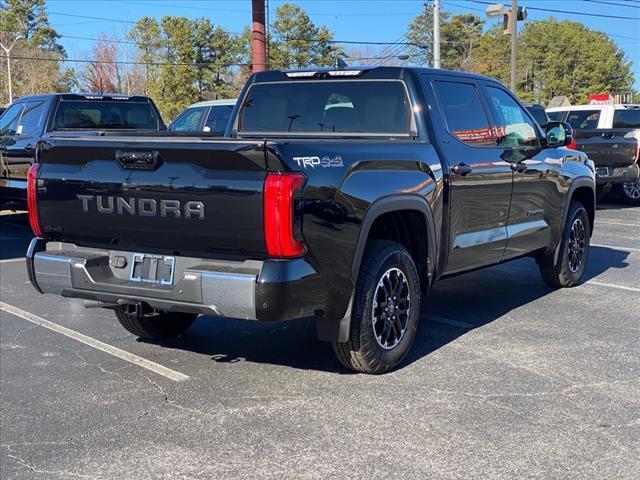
339, 194
31, 118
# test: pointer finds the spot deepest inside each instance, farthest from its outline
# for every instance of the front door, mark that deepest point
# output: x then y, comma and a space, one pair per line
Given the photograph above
537, 186
479, 180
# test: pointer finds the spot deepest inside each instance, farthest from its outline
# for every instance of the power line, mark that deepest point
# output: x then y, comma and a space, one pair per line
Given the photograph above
553, 10
632, 5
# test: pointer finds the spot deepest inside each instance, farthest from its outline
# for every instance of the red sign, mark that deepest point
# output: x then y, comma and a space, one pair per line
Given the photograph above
601, 99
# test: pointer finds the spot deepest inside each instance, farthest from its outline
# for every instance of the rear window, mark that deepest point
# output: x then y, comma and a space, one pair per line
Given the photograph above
327, 107
584, 118
627, 118
105, 114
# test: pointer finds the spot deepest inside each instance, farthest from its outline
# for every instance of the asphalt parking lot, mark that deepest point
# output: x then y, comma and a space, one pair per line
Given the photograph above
507, 379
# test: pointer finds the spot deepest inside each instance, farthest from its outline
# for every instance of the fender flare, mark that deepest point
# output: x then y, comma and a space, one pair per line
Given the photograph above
577, 182
394, 203
339, 331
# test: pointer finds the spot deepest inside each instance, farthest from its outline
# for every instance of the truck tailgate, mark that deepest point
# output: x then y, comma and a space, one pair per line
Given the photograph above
616, 147
173, 195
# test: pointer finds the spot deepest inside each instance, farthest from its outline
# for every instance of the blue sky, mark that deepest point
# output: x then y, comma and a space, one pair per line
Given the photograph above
359, 20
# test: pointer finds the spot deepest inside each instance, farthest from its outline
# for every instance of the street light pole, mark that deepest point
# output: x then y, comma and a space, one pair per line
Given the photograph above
7, 52
436, 33
514, 42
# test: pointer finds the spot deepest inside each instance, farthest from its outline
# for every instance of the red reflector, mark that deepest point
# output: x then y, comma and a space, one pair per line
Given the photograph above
32, 200
279, 193
572, 145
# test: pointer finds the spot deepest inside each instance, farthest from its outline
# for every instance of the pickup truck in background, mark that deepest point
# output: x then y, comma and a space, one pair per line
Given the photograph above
610, 136
30, 119
337, 194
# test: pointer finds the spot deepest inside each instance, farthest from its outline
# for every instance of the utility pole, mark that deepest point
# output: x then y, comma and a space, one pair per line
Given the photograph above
7, 52
510, 19
513, 26
436, 33
258, 38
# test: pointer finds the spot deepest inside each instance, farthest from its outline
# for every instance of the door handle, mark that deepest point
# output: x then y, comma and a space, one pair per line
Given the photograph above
519, 167
461, 169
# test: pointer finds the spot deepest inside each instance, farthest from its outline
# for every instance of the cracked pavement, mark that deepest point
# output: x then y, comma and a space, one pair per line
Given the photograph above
545, 384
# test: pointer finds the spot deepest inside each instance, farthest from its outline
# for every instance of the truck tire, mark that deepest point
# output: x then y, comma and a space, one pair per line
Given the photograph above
385, 311
569, 268
159, 326
630, 192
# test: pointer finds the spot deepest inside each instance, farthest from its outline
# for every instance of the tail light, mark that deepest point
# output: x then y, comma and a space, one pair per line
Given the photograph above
572, 145
280, 191
32, 200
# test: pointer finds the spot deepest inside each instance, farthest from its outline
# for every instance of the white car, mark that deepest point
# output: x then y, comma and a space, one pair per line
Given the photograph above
208, 116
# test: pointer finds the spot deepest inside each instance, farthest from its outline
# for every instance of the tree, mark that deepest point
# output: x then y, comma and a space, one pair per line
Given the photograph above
458, 35
36, 58
186, 61
296, 42
556, 58
103, 74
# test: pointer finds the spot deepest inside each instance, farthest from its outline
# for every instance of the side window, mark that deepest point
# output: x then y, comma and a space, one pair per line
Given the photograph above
188, 121
31, 117
626, 118
462, 109
514, 127
584, 118
9, 120
218, 118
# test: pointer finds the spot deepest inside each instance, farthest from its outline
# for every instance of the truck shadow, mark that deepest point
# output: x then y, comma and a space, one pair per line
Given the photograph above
455, 307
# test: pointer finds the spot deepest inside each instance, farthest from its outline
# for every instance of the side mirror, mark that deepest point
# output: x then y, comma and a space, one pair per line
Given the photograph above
559, 134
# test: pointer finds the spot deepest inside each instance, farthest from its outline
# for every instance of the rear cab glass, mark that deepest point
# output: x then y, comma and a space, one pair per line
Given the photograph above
626, 118
327, 107
105, 114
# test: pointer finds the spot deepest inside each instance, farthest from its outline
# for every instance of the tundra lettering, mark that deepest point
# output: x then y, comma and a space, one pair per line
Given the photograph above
146, 207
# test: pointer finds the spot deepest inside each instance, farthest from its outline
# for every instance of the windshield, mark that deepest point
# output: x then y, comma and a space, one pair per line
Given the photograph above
105, 114
327, 107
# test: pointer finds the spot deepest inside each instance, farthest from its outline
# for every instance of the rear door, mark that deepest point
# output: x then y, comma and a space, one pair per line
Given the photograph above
20, 140
480, 180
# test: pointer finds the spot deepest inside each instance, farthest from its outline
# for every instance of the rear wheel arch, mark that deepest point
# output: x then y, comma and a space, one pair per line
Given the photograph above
405, 219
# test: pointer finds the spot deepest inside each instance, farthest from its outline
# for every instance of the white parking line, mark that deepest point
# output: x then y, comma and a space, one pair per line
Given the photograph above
612, 285
616, 247
600, 222
448, 321
97, 344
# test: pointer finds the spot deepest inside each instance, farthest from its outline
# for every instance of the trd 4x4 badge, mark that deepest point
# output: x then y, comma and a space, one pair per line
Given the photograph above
317, 162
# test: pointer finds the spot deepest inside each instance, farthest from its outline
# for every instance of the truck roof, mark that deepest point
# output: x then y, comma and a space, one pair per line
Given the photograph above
370, 72
617, 106
86, 96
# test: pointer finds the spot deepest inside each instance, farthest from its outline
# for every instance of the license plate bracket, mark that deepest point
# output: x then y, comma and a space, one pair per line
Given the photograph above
156, 269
